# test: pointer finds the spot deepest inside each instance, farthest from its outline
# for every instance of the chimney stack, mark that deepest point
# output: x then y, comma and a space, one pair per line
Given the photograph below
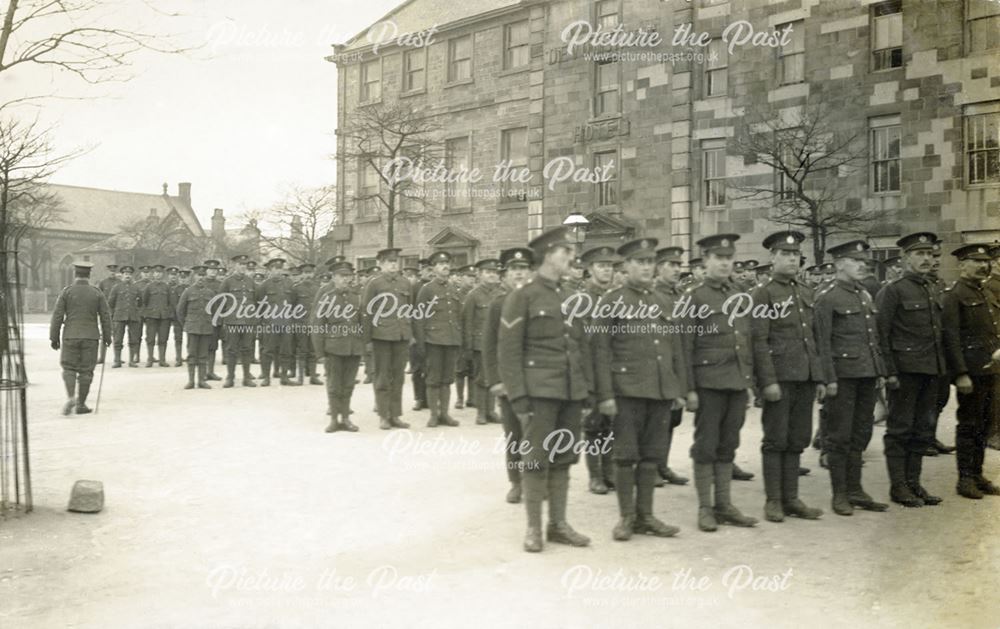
218, 225
184, 192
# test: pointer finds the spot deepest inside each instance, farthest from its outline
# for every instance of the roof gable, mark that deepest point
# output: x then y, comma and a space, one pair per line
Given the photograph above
106, 211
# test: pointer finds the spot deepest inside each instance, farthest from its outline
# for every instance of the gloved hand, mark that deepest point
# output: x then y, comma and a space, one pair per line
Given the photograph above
55, 344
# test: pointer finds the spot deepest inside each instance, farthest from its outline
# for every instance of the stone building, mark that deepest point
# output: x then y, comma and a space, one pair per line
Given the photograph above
919, 82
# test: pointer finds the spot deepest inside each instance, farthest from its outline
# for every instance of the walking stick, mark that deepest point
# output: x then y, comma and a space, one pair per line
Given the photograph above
100, 384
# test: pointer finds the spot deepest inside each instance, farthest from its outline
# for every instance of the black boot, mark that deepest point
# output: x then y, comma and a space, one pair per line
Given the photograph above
914, 465
704, 478
69, 381
607, 466
646, 522
178, 359
771, 463
460, 389
118, 358
899, 490
514, 476
625, 490
434, 403
163, 355
739, 474
596, 484
230, 373
300, 371
210, 373
559, 531
247, 376
203, 376
265, 371
149, 354
191, 368
311, 371
790, 501
855, 493
725, 511
81, 398
534, 484
444, 395
841, 505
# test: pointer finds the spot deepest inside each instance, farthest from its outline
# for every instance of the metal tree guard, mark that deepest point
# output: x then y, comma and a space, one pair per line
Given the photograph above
15, 467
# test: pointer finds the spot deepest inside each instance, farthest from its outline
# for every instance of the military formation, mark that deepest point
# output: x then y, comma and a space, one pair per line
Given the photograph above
601, 353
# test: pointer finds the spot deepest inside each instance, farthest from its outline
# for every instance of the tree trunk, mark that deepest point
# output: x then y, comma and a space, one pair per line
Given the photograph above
390, 220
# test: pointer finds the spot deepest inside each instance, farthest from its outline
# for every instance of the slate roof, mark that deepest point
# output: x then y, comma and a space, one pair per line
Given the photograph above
105, 211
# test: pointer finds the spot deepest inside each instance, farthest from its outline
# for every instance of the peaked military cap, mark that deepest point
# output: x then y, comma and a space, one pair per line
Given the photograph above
827, 267
555, 237
212, 264
516, 256
694, 263
275, 262
126, 269
786, 240
916, 241
341, 267
438, 257
390, 253
669, 254
892, 261
638, 249
112, 267
750, 265
972, 252
489, 264
857, 249
720, 244
599, 254
240, 258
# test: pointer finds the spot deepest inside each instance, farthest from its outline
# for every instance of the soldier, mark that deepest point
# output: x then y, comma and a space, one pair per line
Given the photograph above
192, 312
304, 294
812, 276
338, 336
618, 277
971, 324
639, 376
848, 341
276, 339
463, 281
125, 305
74, 331
762, 274
546, 370
156, 315
719, 358
239, 328
438, 337
789, 376
416, 361
870, 281
516, 265
750, 273
176, 286
938, 286
474, 311
668, 270
909, 326
389, 335
992, 285
697, 266
893, 269
110, 281
214, 271
599, 262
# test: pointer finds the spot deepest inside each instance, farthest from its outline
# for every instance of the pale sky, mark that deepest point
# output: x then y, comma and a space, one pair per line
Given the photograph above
250, 113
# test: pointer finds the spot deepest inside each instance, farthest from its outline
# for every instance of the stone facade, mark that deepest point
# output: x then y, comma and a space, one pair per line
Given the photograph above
656, 117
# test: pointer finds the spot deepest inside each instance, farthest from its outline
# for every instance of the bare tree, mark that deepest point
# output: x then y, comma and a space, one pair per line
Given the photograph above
27, 160
387, 141
811, 152
297, 225
86, 38
31, 216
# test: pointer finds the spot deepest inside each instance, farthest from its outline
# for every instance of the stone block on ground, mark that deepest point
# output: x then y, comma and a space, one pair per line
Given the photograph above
87, 496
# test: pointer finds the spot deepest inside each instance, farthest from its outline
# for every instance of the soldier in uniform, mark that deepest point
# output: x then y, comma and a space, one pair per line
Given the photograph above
463, 281
848, 341
938, 286
618, 277
275, 339
789, 376
668, 269
600, 263
870, 281
750, 273
416, 361
156, 315
762, 273
110, 281
516, 265
971, 324
697, 266
909, 326
439, 338
74, 332
192, 312
893, 269
719, 358
125, 306
304, 294
239, 330
547, 372
992, 285
175, 287
390, 337
336, 317
639, 377
213, 271
474, 311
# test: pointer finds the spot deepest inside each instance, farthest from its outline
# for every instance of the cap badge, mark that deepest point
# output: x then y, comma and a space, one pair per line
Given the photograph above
790, 239
860, 247
923, 239
725, 242
518, 255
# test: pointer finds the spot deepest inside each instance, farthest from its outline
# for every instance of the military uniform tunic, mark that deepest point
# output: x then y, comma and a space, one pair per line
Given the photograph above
390, 294
909, 327
971, 322
79, 310
339, 338
239, 329
546, 368
439, 333
156, 313
719, 360
192, 312
126, 314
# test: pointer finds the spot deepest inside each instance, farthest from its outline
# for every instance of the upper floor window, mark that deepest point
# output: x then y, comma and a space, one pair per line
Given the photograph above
607, 188
714, 172
885, 154
460, 58
608, 13
606, 89
517, 50
371, 80
887, 35
414, 69
983, 25
792, 56
716, 70
982, 143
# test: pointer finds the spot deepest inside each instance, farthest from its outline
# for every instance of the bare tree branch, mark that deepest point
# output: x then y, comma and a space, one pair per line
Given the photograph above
809, 150
297, 225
